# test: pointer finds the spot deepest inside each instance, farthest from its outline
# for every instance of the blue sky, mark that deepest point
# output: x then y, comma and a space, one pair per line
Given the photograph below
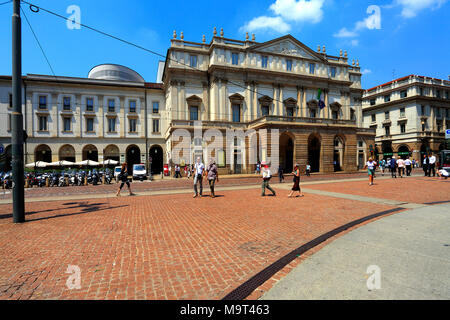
410, 36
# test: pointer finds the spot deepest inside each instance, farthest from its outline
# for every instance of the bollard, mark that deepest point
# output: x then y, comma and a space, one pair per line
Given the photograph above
103, 179
46, 182
85, 180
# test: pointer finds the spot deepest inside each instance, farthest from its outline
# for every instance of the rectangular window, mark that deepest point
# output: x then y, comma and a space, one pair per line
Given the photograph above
439, 126
438, 112
111, 124
333, 72
155, 125
67, 124
421, 91
312, 113
386, 115
42, 102
89, 125
335, 114
235, 58
111, 105
42, 123
438, 93
422, 110
10, 101
403, 94
265, 110
388, 130
312, 67
193, 113
372, 102
402, 128
132, 106
89, 104
288, 65
387, 98
132, 125
402, 113
236, 113
290, 111
352, 115
373, 117
156, 107
193, 61
66, 104
264, 60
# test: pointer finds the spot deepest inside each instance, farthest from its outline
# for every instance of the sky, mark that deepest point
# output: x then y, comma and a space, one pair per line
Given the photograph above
390, 38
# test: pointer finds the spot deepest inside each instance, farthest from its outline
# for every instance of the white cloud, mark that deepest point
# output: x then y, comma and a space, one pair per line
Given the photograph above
366, 71
412, 7
266, 23
287, 11
299, 11
354, 42
344, 33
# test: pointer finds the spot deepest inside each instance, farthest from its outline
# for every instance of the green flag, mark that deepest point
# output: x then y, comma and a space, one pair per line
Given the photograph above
319, 93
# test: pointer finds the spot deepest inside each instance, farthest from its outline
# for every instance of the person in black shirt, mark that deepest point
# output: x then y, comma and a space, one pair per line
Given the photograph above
123, 177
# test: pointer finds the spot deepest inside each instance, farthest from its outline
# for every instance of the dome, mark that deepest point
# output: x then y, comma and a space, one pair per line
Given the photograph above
114, 72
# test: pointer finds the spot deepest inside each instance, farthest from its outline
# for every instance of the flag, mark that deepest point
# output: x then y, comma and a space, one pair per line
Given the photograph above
319, 95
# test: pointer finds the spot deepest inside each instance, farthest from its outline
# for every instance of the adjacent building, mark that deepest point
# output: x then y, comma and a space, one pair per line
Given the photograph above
409, 114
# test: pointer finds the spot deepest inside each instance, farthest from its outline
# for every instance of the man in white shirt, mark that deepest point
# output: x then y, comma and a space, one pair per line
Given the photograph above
401, 167
432, 166
199, 170
266, 175
408, 165
442, 173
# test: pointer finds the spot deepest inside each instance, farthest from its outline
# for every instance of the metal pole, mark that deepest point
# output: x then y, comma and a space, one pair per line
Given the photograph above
17, 118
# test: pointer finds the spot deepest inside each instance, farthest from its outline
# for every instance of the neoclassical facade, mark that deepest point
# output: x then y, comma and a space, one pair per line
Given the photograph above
245, 85
410, 116
111, 114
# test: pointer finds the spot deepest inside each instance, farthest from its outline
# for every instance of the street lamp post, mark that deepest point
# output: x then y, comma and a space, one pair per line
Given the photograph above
17, 118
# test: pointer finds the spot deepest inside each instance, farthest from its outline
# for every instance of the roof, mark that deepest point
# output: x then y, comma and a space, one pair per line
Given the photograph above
403, 78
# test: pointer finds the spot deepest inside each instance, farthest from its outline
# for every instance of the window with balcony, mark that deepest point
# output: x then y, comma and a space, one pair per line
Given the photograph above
42, 102
312, 68
374, 117
193, 61
155, 128
387, 130
89, 104
312, 113
288, 65
290, 111
193, 113
67, 124
335, 114
402, 128
111, 105
132, 125
403, 94
372, 102
264, 60
386, 115
333, 72
89, 124
66, 104
387, 98
132, 106
42, 123
112, 124
402, 113
235, 58
236, 113
155, 107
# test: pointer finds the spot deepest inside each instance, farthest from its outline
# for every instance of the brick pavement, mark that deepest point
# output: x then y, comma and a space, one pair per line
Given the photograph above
163, 247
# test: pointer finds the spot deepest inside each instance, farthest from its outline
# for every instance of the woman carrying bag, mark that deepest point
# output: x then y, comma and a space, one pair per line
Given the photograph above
296, 180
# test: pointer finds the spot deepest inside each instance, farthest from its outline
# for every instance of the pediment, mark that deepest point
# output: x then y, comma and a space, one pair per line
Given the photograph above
288, 46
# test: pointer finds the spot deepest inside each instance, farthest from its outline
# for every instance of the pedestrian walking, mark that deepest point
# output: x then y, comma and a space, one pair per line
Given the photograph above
401, 167
382, 166
188, 170
296, 180
280, 174
258, 167
393, 166
432, 165
308, 169
213, 176
266, 175
426, 164
123, 177
370, 165
408, 165
199, 171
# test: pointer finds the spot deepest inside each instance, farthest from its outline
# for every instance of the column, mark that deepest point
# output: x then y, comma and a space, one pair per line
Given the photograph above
174, 98
304, 107
122, 116
326, 110
101, 117
206, 114
275, 99
256, 111
281, 104
299, 103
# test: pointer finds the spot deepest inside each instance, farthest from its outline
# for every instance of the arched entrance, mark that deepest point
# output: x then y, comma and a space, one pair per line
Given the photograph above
287, 152
387, 150
111, 152
157, 156
133, 157
5, 160
67, 153
338, 158
90, 152
314, 153
403, 152
43, 153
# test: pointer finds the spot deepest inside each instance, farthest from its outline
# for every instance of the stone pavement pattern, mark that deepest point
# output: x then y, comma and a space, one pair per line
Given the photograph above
411, 249
167, 246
